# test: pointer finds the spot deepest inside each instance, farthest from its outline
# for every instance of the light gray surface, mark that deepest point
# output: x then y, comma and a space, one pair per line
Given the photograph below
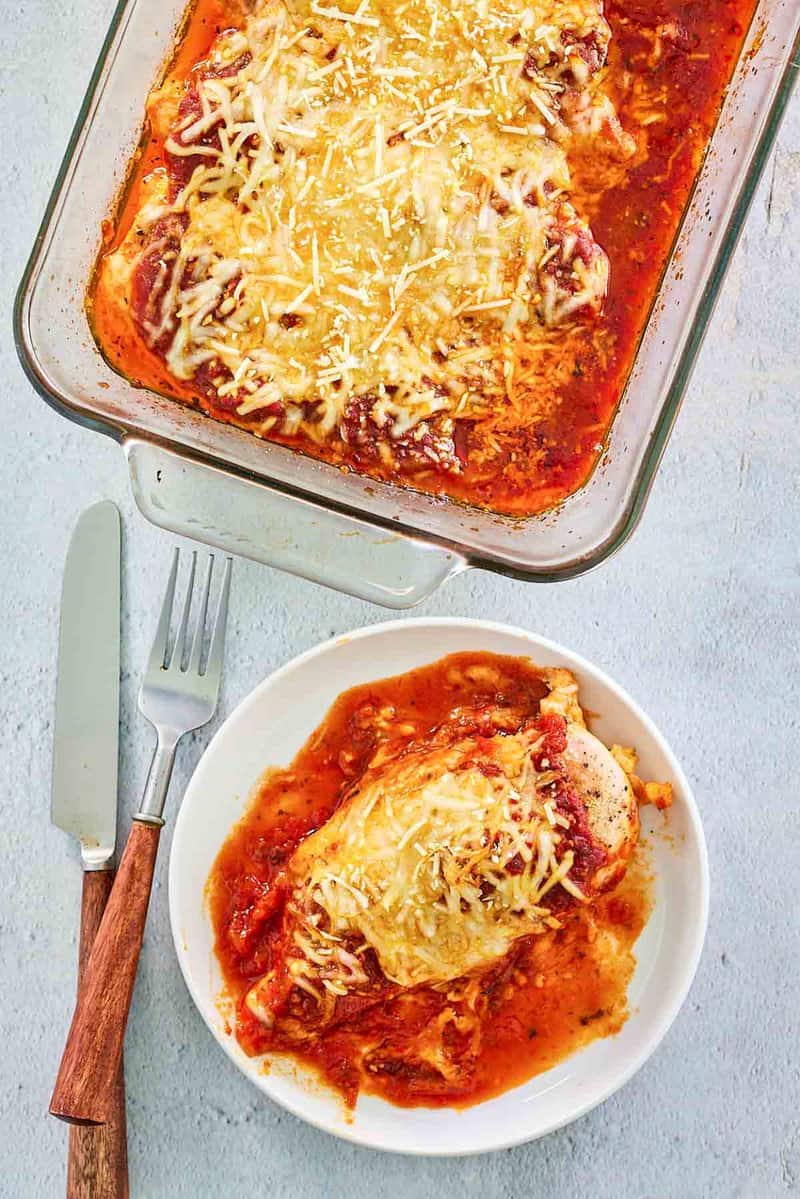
697, 617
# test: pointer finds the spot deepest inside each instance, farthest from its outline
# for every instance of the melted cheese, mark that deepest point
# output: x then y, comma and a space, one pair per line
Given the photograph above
380, 206
440, 860
416, 864
443, 854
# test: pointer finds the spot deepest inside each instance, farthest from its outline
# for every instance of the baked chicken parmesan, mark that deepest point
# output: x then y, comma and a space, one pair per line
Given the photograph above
417, 239
439, 897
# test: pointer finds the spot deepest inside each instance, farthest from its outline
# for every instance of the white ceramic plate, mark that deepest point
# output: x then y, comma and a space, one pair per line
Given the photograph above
270, 726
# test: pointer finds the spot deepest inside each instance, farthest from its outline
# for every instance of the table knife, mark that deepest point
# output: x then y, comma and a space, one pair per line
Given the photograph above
84, 791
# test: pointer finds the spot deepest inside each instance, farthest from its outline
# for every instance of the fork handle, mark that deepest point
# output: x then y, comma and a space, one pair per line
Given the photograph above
85, 1086
97, 1163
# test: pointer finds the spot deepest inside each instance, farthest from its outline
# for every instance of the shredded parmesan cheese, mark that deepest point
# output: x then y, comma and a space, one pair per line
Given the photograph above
379, 203
444, 880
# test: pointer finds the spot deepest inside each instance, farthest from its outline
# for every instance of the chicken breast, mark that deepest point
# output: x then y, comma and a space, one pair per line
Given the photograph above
446, 854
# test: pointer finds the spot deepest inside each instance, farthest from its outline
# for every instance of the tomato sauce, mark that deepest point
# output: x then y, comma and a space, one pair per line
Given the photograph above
548, 997
669, 64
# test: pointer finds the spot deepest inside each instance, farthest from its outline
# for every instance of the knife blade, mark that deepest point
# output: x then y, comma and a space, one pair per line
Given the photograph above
84, 792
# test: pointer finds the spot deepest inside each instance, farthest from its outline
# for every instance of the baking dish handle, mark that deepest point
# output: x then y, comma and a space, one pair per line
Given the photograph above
242, 516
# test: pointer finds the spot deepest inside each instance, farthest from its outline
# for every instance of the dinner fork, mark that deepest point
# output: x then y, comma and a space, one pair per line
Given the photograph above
179, 693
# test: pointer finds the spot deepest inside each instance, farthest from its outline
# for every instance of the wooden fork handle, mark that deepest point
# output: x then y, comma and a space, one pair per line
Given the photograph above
85, 1086
97, 1164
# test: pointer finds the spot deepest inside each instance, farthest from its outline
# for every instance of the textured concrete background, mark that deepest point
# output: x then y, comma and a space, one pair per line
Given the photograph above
697, 617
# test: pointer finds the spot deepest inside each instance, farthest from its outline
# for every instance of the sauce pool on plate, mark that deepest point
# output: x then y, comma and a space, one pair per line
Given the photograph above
549, 996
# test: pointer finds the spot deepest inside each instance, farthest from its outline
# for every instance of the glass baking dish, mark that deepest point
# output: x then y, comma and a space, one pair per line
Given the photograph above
384, 543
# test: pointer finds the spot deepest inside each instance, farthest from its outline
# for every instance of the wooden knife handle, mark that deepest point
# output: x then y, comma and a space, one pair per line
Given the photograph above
84, 1090
97, 1165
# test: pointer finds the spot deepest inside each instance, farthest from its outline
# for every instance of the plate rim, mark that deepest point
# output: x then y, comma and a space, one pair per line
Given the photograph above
657, 1029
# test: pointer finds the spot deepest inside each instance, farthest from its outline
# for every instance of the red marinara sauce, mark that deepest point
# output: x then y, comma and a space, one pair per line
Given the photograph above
669, 63
548, 997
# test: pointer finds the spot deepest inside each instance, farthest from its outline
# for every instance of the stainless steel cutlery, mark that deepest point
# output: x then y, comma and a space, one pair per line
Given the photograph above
179, 693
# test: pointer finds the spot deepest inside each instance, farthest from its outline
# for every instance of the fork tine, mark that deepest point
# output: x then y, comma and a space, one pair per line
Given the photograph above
158, 654
213, 671
178, 652
197, 644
